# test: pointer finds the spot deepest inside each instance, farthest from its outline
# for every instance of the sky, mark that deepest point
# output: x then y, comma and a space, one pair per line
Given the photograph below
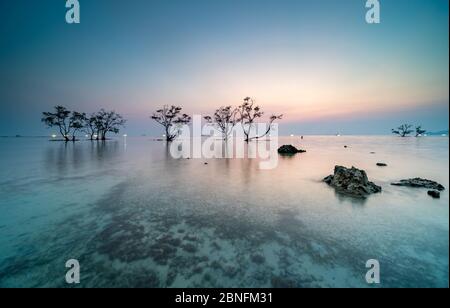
317, 62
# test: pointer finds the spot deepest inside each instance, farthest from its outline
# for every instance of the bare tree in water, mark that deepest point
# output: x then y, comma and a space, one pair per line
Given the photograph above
67, 122
171, 119
403, 130
77, 122
92, 125
108, 122
224, 119
249, 113
419, 131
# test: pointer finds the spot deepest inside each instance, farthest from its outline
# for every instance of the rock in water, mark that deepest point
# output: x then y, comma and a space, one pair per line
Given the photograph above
421, 183
289, 150
353, 182
434, 193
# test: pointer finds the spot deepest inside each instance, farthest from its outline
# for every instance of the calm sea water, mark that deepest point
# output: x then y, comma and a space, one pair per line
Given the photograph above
135, 217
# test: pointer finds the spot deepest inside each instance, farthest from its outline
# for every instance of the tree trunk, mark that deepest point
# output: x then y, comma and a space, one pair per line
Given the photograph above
247, 139
168, 136
63, 133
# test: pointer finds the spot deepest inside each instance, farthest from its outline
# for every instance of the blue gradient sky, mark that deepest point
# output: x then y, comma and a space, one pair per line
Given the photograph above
316, 61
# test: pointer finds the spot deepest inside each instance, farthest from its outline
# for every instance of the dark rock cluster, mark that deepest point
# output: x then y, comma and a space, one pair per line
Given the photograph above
435, 187
353, 182
420, 183
289, 150
434, 194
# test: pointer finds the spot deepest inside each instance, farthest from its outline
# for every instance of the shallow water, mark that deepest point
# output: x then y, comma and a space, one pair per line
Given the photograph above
135, 217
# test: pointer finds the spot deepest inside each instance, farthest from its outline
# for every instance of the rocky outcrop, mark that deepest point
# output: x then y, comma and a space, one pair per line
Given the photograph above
434, 194
420, 183
353, 182
289, 150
